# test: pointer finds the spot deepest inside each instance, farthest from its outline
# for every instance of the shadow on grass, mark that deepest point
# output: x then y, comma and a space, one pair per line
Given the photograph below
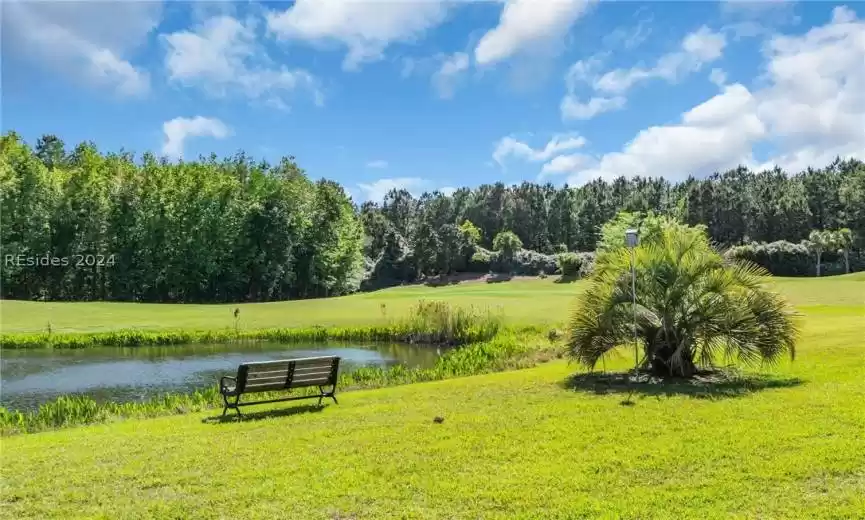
498, 278
452, 279
231, 416
571, 278
721, 384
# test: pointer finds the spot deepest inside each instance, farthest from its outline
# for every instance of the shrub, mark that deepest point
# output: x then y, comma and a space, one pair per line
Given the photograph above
569, 264
442, 323
587, 265
507, 243
560, 248
693, 306
784, 258
525, 263
481, 261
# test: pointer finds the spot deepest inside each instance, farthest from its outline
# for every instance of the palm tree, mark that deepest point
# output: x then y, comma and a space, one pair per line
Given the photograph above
820, 241
692, 307
844, 240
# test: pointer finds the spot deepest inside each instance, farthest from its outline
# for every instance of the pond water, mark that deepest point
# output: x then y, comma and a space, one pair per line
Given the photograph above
31, 377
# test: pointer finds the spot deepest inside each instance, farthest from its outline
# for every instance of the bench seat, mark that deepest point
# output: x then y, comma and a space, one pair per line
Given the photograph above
280, 375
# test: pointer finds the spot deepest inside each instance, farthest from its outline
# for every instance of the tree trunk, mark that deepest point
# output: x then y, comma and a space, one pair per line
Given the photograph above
819, 254
847, 261
661, 366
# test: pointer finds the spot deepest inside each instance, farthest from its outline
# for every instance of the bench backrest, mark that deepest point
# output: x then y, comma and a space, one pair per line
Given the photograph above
266, 376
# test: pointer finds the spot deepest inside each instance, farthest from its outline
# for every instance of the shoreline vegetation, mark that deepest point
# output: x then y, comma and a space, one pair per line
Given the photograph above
508, 349
432, 322
486, 345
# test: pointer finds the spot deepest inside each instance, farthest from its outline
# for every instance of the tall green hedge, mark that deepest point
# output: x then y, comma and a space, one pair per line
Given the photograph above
782, 258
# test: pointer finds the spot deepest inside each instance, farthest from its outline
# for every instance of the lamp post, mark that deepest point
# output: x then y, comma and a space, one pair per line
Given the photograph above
632, 239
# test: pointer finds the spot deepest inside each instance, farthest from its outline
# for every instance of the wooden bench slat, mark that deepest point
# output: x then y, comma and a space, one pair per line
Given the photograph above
311, 381
283, 374
265, 388
265, 380
268, 373
297, 362
312, 368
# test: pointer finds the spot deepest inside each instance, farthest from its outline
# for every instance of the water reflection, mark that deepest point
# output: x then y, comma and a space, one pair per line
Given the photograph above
32, 377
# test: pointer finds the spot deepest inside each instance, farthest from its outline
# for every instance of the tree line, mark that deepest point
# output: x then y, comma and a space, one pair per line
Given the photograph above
415, 236
197, 231
235, 229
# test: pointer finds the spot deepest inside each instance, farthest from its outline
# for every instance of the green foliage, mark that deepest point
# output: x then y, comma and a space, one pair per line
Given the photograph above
238, 230
524, 262
650, 226
481, 261
495, 352
780, 258
507, 243
438, 322
471, 233
692, 307
193, 231
569, 264
587, 265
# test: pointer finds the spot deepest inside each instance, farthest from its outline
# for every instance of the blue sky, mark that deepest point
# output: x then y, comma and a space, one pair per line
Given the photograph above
433, 95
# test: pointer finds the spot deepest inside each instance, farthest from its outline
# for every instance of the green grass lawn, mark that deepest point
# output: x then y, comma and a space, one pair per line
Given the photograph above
522, 301
513, 444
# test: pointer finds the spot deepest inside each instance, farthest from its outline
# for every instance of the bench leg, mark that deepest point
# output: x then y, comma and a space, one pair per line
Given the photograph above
327, 394
324, 394
230, 405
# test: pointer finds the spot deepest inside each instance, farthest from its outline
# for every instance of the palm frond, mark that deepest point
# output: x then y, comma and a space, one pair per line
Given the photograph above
693, 307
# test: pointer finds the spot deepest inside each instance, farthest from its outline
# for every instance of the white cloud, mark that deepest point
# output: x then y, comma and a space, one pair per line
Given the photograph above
810, 108
573, 108
510, 147
526, 24
698, 48
630, 37
565, 164
815, 101
378, 163
86, 41
376, 191
221, 56
715, 135
365, 28
718, 77
749, 18
448, 190
446, 77
180, 128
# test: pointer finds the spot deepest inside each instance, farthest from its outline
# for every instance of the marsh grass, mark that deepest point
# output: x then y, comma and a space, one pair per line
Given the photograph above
431, 322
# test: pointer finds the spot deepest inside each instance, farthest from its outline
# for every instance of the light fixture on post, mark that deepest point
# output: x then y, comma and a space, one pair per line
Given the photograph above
632, 240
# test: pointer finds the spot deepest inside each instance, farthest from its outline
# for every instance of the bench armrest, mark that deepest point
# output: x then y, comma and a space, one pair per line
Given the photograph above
222, 385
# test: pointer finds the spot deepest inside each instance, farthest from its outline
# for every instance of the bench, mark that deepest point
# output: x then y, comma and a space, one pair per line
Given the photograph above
284, 374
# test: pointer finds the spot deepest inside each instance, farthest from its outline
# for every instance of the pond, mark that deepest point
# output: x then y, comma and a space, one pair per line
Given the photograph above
31, 377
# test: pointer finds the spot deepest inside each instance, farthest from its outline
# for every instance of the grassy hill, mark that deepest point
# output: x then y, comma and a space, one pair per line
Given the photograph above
531, 301
519, 444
